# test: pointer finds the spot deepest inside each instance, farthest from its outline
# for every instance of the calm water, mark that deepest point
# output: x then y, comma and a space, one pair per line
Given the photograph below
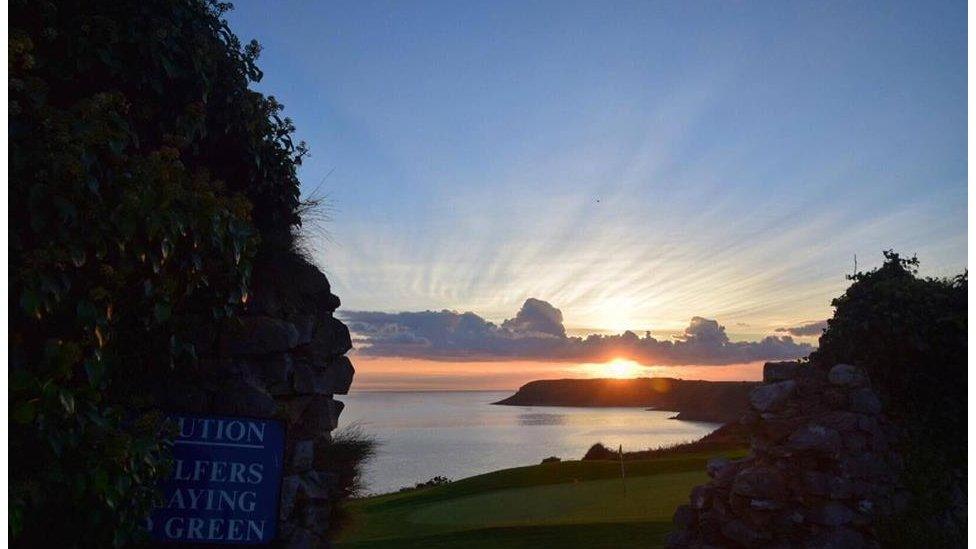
460, 434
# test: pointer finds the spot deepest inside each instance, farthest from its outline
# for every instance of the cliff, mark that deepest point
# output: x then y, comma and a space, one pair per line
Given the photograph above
695, 400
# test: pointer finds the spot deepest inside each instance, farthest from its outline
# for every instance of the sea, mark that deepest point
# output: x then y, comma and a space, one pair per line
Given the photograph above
458, 434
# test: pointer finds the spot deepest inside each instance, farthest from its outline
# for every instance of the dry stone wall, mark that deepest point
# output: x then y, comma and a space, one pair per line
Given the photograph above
284, 358
821, 470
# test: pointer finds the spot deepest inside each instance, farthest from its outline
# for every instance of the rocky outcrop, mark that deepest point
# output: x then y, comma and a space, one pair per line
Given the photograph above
716, 401
821, 471
282, 358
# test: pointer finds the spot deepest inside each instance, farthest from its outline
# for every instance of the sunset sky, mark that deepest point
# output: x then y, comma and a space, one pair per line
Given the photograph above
632, 164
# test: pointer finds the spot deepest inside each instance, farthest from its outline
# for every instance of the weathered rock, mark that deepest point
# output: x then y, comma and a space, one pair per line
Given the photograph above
840, 420
716, 465
765, 504
759, 482
771, 396
243, 397
315, 485
303, 454
316, 516
832, 514
836, 538
319, 415
289, 494
305, 324
780, 371
338, 375
840, 488
331, 340
822, 468
257, 335
334, 378
816, 438
302, 538
700, 496
847, 375
865, 401
737, 531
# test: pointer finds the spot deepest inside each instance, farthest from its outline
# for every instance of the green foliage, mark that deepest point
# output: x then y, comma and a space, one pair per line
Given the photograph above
909, 333
144, 175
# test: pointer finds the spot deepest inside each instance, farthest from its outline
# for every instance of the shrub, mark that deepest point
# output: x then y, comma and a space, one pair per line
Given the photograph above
144, 176
909, 333
349, 450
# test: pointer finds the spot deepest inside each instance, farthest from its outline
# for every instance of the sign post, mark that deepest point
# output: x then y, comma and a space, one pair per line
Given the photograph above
225, 482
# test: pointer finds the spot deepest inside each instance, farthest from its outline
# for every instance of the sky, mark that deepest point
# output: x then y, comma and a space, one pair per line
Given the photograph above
634, 165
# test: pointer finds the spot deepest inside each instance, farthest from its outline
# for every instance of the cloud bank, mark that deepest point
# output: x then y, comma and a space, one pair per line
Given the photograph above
805, 330
537, 333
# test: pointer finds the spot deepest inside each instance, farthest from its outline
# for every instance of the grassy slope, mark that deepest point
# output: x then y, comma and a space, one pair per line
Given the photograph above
572, 503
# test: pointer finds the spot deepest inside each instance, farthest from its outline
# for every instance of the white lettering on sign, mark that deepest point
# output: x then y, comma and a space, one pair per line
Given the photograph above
215, 529
223, 486
215, 431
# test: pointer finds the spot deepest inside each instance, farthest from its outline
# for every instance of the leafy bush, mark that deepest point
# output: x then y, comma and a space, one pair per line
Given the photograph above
144, 177
909, 333
432, 482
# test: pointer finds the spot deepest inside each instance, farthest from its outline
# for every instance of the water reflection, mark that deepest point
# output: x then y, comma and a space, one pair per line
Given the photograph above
542, 419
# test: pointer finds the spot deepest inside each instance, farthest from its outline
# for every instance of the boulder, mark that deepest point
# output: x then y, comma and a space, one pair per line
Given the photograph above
760, 482
815, 437
243, 397
320, 414
700, 496
331, 339
338, 375
334, 378
305, 324
315, 485
257, 335
771, 396
716, 465
738, 532
865, 401
847, 375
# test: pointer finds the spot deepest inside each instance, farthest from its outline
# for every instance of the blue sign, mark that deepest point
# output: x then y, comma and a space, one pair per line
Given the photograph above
225, 482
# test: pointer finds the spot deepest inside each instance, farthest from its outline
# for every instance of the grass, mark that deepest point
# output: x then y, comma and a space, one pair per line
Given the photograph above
567, 504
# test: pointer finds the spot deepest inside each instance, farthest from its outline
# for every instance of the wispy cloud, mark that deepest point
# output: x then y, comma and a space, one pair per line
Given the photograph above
537, 333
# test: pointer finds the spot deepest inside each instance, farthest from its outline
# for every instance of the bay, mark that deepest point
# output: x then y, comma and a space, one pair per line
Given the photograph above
458, 434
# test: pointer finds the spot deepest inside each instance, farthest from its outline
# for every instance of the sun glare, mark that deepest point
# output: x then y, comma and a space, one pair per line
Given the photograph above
623, 368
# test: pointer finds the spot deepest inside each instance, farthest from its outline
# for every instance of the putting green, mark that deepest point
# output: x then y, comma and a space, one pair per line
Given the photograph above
649, 498
568, 504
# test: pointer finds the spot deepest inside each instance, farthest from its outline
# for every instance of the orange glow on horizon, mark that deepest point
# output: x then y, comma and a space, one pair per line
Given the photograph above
620, 368
410, 374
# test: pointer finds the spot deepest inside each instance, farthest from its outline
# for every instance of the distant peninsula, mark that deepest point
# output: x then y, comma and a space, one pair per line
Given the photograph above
693, 400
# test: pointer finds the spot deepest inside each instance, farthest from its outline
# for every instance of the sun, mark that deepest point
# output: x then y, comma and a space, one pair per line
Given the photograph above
623, 368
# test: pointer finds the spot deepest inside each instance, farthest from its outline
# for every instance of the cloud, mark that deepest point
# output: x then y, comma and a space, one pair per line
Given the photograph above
537, 316
805, 330
537, 333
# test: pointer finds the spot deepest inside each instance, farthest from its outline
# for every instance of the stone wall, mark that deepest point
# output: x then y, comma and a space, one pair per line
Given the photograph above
821, 470
283, 358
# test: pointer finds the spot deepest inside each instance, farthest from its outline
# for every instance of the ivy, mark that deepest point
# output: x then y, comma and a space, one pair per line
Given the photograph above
145, 176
